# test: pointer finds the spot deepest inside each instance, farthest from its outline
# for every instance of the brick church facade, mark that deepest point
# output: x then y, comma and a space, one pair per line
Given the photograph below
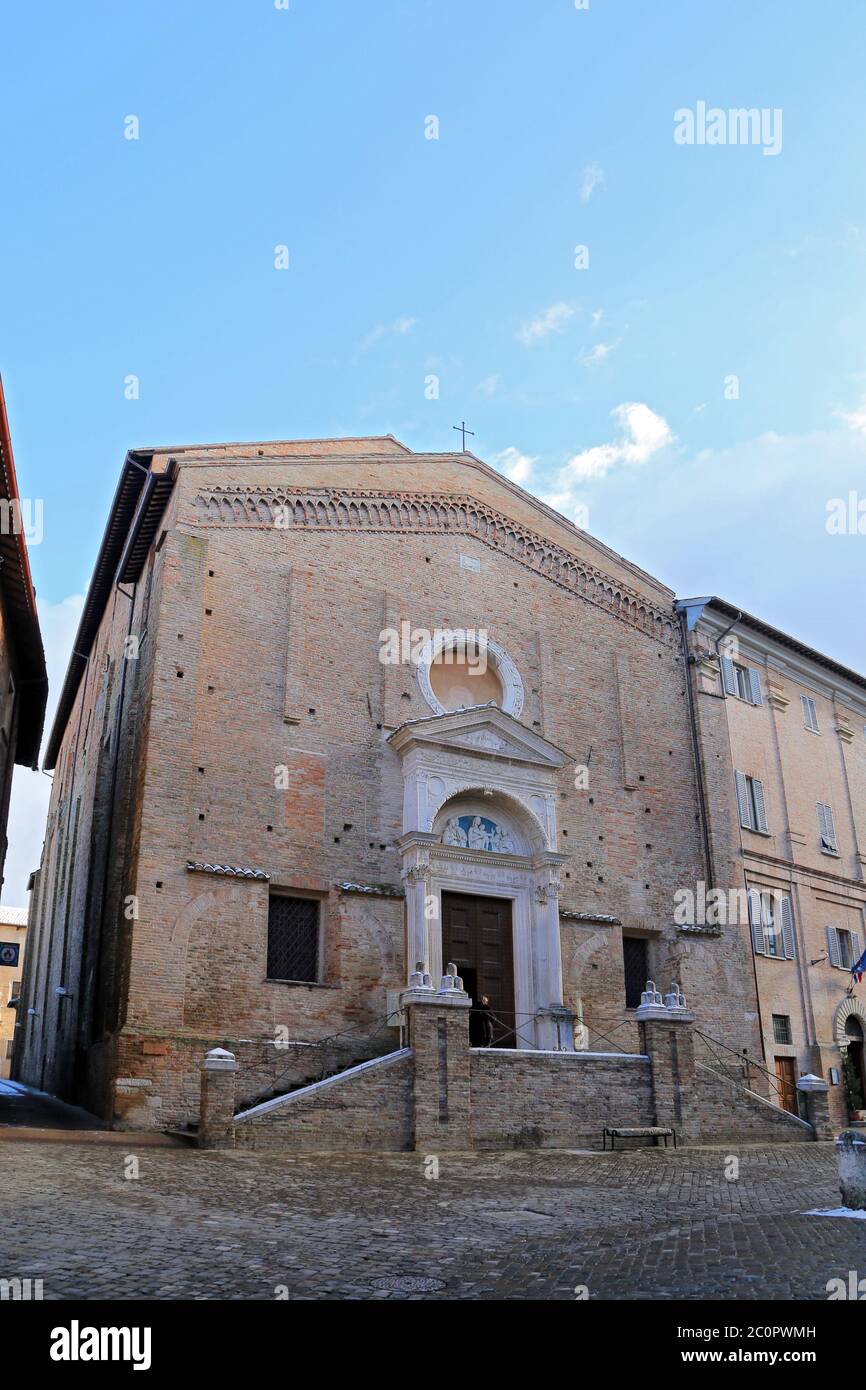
338, 710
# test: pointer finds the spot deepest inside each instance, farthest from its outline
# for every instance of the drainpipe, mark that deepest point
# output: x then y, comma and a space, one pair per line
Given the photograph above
696, 747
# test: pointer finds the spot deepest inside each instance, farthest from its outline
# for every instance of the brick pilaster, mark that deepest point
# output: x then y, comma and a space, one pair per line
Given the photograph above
439, 1038
216, 1122
669, 1043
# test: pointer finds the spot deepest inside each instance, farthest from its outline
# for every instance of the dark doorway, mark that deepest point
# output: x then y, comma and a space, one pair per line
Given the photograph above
854, 1031
476, 936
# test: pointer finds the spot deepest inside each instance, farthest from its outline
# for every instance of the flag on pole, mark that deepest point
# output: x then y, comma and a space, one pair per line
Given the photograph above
859, 969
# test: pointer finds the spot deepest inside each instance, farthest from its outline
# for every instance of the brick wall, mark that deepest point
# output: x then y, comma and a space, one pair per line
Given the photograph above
555, 1100
369, 1107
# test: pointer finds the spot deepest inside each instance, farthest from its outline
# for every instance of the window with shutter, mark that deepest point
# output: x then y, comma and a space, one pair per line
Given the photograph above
810, 713
768, 924
743, 801
756, 790
756, 920
728, 680
789, 940
833, 947
755, 687
827, 828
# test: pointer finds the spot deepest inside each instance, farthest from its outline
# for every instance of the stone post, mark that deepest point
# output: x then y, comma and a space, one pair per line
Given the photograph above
667, 1038
814, 1091
438, 1022
851, 1157
216, 1122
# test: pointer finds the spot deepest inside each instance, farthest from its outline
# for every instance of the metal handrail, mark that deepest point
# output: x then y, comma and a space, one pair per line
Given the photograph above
744, 1060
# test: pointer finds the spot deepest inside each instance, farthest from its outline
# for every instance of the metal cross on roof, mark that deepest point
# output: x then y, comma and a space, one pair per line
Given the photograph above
463, 431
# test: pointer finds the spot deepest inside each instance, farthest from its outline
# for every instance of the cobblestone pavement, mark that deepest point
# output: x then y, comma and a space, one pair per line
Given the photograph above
641, 1224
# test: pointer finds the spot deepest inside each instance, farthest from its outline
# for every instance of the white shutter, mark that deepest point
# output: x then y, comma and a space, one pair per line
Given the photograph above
756, 921
856, 947
760, 807
789, 941
833, 947
728, 680
831, 826
826, 826
755, 686
743, 800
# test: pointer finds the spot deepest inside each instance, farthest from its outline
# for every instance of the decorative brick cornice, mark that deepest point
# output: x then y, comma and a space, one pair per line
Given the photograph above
425, 513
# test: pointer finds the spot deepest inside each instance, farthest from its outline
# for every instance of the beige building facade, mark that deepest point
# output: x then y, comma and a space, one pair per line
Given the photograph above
782, 742
13, 930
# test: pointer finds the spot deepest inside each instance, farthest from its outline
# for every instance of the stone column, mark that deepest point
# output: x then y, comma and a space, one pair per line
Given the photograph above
216, 1122
415, 849
438, 1022
851, 1157
667, 1038
548, 958
814, 1091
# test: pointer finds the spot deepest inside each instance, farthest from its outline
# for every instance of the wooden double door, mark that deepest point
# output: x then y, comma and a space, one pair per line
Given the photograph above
477, 937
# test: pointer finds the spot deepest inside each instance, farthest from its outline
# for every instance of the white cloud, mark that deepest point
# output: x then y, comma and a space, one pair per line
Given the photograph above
31, 790
398, 328
513, 464
855, 419
593, 178
597, 354
490, 385
597, 316
642, 434
749, 522
552, 320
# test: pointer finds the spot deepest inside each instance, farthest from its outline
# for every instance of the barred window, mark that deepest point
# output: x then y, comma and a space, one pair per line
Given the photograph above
781, 1028
293, 939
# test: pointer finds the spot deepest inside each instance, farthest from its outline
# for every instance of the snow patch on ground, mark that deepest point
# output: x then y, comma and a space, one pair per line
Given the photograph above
855, 1215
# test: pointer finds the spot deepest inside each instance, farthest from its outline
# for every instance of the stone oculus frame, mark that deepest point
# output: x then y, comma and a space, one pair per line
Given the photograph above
482, 762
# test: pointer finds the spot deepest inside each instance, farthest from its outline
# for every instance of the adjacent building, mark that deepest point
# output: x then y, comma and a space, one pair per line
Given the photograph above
782, 738
23, 680
13, 929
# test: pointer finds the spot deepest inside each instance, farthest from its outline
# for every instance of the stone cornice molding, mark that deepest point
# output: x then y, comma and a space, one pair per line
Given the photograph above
392, 512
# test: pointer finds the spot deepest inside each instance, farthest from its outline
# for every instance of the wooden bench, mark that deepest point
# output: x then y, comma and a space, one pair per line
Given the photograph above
656, 1132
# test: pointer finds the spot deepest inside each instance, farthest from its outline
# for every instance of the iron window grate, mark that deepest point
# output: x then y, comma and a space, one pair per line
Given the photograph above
293, 939
781, 1028
634, 957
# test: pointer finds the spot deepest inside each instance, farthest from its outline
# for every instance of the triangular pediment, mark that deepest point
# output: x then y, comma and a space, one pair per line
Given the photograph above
483, 731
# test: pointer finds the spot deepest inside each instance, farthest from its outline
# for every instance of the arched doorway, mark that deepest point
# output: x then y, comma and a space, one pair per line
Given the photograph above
856, 1062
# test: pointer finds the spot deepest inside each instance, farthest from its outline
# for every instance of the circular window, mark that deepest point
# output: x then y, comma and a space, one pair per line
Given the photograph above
459, 669
460, 678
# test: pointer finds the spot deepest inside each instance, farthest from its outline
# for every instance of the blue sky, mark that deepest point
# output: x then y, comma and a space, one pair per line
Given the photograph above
454, 257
